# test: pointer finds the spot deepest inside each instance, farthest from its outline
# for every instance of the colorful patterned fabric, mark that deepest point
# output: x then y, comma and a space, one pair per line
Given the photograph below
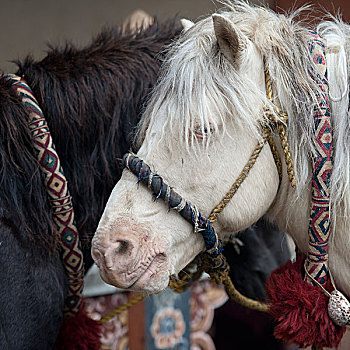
319, 226
61, 201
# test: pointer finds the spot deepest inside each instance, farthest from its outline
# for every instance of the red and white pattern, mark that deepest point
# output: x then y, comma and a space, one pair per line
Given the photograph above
114, 335
319, 227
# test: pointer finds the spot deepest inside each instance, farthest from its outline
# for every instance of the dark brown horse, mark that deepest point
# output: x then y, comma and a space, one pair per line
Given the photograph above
92, 99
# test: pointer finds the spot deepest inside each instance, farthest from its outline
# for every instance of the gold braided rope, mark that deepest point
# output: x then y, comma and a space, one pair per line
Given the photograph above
242, 176
281, 128
276, 156
221, 276
122, 308
187, 276
287, 156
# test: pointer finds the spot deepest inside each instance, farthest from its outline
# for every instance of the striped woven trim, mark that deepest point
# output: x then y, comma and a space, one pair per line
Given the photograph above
57, 189
319, 225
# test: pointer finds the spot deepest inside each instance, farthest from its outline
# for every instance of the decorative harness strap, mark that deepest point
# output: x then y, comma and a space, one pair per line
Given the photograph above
57, 189
319, 226
316, 263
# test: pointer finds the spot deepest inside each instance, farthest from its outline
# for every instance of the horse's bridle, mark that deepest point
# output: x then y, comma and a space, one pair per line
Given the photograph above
213, 261
188, 211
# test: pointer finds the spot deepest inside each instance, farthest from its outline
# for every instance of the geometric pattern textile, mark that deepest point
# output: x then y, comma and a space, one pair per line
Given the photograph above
57, 189
319, 224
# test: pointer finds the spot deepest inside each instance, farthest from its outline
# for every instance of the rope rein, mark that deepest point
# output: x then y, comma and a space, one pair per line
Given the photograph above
122, 308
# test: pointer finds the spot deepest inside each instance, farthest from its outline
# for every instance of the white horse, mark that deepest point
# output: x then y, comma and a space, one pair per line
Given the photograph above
201, 126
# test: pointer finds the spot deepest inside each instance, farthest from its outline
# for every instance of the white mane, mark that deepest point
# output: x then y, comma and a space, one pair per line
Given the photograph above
337, 35
194, 87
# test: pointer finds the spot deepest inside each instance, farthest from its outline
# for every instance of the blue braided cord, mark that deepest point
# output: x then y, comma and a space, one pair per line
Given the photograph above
169, 199
160, 189
204, 225
209, 236
143, 174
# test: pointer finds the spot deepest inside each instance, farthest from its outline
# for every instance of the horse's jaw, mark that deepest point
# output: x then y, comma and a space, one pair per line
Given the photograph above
152, 279
134, 253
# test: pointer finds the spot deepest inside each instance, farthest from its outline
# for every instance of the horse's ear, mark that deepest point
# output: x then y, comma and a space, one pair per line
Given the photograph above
187, 24
230, 42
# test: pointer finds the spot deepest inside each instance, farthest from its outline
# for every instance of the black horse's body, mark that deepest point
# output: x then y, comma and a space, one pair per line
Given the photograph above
92, 98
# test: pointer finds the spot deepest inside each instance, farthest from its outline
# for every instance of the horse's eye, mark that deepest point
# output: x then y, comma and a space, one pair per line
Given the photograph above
203, 132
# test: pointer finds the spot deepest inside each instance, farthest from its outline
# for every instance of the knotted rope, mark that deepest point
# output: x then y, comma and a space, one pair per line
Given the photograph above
280, 125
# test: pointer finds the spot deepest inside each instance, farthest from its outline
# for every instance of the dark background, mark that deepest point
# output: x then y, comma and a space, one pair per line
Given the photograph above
27, 26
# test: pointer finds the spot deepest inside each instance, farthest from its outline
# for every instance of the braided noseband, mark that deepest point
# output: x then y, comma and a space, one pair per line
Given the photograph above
187, 210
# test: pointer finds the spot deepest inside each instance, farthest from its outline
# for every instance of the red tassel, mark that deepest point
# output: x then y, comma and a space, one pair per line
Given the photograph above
300, 309
79, 333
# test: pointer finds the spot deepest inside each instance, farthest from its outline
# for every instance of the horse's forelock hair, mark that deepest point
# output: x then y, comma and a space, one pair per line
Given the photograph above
194, 92
282, 41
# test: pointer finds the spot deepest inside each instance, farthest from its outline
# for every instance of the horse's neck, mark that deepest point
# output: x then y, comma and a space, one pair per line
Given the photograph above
293, 217
291, 213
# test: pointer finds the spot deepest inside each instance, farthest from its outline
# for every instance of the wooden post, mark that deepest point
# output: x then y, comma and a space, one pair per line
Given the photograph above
136, 325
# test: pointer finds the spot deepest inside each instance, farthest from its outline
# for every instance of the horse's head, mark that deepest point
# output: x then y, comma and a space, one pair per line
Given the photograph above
199, 130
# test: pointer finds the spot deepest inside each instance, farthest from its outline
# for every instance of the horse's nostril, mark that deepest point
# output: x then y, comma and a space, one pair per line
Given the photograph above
117, 253
122, 247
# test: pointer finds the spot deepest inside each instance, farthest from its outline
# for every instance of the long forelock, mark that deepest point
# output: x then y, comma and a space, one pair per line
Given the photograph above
194, 91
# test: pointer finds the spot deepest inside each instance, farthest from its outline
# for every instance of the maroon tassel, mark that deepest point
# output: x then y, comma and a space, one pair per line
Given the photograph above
300, 309
79, 333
